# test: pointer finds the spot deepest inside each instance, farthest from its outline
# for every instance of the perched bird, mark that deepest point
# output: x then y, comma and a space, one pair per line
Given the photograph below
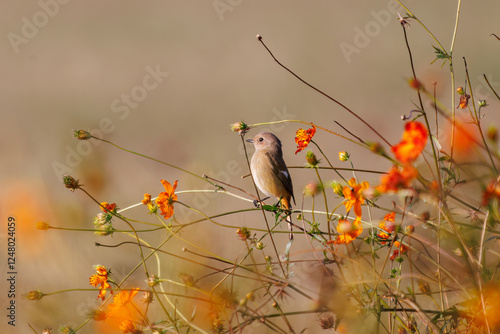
270, 173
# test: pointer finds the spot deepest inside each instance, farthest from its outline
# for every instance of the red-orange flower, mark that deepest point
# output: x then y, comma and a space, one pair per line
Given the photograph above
304, 137
354, 196
106, 207
397, 179
412, 144
401, 249
348, 231
388, 226
492, 191
166, 199
100, 280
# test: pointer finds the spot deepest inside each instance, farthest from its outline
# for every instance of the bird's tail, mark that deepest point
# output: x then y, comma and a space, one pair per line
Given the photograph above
285, 203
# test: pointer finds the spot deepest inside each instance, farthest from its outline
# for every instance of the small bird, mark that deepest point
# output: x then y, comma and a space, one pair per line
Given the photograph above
270, 173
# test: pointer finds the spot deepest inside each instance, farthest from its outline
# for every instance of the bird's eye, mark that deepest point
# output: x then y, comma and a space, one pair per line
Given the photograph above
261, 139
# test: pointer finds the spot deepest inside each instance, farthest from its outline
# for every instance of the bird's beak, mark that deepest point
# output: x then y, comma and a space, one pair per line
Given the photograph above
250, 140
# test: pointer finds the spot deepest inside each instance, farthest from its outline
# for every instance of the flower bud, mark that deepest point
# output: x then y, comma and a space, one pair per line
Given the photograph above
71, 183
460, 91
34, 295
240, 127
338, 188
43, 226
343, 156
153, 280
415, 84
326, 321
311, 159
243, 233
492, 133
424, 287
97, 315
312, 189
82, 135
147, 297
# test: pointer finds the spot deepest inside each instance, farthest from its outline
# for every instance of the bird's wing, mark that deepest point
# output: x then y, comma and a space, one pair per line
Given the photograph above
283, 174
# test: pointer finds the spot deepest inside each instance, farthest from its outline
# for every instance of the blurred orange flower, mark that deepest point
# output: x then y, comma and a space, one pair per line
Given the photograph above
412, 144
492, 190
397, 178
122, 298
100, 280
388, 226
354, 196
491, 295
166, 199
348, 231
127, 326
304, 137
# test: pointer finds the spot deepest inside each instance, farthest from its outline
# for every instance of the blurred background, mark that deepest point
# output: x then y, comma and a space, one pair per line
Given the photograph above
166, 79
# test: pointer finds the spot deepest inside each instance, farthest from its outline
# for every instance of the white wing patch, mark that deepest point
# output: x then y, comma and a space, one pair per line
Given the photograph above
284, 172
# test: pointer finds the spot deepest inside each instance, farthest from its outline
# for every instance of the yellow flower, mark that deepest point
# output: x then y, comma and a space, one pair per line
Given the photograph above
166, 199
354, 196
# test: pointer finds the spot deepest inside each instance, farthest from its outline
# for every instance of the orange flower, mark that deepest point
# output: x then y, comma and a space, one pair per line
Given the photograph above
401, 249
388, 226
354, 196
122, 298
106, 207
491, 306
127, 326
147, 202
397, 179
464, 101
304, 137
100, 279
147, 199
412, 144
348, 231
492, 190
415, 84
166, 199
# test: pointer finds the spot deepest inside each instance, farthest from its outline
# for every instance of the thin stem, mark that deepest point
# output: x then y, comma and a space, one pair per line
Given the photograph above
322, 93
